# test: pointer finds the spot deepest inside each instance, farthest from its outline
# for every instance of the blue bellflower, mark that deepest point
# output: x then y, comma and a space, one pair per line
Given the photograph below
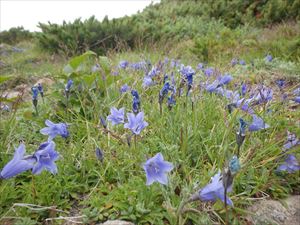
18, 164
99, 154
147, 82
290, 165
136, 104
215, 190
41, 90
55, 129
136, 123
233, 62
35, 93
123, 64
69, 85
280, 83
156, 169
242, 62
164, 92
116, 116
297, 99
257, 124
200, 66
45, 158
209, 71
225, 79
244, 89
269, 58
124, 88
292, 141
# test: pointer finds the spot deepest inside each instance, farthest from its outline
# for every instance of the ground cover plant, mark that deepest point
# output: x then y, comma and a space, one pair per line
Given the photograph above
152, 140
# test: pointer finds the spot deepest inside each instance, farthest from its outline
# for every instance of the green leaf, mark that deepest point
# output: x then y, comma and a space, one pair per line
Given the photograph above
76, 61
105, 64
4, 78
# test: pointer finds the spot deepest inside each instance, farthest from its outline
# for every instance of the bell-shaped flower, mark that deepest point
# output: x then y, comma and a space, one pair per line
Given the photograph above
223, 80
123, 64
297, 99
292, 141
244, 89
45, 158
209, 71
116, 116
215, 190
242, 62
269, 58
55, 129
136, 123
290, 165
18, 164
147, 82
69, 85
124, 88
257, 124
156, 169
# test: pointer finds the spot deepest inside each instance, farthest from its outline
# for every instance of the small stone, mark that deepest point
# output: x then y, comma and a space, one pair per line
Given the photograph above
117, 222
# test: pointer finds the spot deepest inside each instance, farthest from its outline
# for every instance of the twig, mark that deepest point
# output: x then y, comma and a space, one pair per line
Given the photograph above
69, 219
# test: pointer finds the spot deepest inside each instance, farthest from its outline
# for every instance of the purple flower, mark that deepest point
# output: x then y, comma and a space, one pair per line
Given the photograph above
297, 91
280, 83
290, 165
123, 64
292, 141
200, 66
209, 71
18, 164
136, 123
124, 88
264, 95
55, 129
234, 61
147, 82
163, 92
69, 85
257, 124
45, 158
136, 104
35, 93
116, 116
269, 58
174, 63
99, 154
244, 89
225, 79
186, 71
103, 122
212, 87
215, 190
244, 104
4, 107
242, 62
156, 169
95, 68
297, 99
153, 72
40, 88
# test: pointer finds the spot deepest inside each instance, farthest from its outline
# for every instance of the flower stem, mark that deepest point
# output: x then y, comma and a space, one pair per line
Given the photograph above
33, 188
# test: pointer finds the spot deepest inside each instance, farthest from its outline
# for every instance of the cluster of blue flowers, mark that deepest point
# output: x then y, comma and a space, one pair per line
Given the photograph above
42, 159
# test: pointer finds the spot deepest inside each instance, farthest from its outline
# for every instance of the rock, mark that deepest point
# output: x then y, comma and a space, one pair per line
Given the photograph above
116, 222
286, 212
